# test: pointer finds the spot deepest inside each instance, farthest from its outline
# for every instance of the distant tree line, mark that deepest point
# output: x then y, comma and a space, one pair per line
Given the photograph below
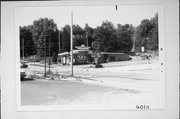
42, 37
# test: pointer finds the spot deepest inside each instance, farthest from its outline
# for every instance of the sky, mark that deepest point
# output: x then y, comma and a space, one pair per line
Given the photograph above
92, 15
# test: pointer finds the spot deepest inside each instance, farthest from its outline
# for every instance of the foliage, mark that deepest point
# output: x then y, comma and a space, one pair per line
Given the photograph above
124, 38
54, 42
105, 34
147, 34
42, 33
78, 36
26, 41
66, 39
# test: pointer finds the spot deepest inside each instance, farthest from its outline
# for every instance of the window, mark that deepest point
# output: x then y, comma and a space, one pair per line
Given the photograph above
112, 58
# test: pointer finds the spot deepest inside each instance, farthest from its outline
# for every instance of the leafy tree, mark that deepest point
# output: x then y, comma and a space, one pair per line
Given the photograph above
66, 38
124, 37
26, 41
143, 33
77, 30
42, 33
78, 40
147, 34
78, 36
54, 42
152, 43
105, 34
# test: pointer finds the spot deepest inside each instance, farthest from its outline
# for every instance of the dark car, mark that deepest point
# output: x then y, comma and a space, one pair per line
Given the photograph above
23, 74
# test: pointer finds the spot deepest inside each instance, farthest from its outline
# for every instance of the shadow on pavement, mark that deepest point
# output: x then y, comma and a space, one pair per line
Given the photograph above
27, 79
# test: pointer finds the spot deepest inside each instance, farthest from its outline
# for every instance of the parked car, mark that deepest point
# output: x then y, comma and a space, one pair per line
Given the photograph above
23, 74
23, 64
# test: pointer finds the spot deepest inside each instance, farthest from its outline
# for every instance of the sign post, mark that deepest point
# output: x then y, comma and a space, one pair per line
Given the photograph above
96, 54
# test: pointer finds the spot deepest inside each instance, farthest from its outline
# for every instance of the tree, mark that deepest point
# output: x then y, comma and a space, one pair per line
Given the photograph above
143, 34
124, 37
105, 34
78, 36
153, 37
66, 38
42, 33
147, 34
26, 41
54, 43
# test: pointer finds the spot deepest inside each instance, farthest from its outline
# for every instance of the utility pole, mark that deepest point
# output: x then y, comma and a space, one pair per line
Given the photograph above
59, 41
71, 52
23, 48
49, 55
134, 40
87, 38
45, 56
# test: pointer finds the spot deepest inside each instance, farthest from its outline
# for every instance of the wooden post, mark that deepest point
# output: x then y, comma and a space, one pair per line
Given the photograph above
45, 56
71, 51
59, 41
23, 48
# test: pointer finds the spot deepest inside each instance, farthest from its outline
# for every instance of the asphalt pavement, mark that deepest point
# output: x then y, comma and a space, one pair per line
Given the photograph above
116, 81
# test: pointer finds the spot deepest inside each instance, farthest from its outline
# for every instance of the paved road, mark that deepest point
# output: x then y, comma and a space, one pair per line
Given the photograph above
123, 82
117, 73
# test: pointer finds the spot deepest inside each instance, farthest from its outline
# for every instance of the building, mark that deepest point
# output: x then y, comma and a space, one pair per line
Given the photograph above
113, 56
83, 55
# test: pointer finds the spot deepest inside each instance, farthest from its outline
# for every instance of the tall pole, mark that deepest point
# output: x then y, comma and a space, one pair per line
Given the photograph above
134, 40
87, 38
49, 55
71, 52
45, 56
23, 48
59, 41
44, 34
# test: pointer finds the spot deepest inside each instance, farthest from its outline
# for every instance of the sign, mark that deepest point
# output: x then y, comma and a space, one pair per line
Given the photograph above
142, 49
95, 45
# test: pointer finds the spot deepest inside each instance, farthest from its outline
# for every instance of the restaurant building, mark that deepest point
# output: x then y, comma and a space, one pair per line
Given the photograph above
83, 55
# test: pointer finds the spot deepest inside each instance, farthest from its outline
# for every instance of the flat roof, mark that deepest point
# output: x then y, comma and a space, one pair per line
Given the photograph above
111, 53
76, 51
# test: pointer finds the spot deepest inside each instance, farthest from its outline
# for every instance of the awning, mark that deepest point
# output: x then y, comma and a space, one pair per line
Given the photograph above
64, 53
